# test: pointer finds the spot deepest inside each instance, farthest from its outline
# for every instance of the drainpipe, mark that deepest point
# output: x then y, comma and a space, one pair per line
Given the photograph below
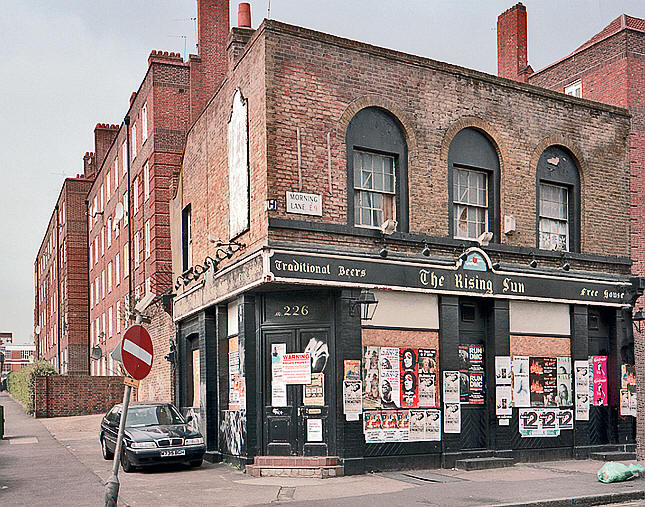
126, 121
58, 332
89, 289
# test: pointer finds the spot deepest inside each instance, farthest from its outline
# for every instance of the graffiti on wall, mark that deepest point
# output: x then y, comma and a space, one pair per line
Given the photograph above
193, 424
233, 431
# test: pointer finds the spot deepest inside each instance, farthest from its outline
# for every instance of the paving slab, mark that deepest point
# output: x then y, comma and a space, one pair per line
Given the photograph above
35, 469
553, 483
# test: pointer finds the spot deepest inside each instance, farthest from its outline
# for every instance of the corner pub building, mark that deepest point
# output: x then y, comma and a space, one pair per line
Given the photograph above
326, 173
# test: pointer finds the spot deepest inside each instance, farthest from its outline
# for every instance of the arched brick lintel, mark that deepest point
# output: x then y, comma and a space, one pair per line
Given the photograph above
388, 105
569, 145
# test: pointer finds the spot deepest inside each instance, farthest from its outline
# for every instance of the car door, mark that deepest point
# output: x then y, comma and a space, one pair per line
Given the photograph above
112, 428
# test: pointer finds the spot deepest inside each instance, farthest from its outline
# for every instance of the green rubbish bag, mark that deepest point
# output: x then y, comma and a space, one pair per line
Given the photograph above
617, 472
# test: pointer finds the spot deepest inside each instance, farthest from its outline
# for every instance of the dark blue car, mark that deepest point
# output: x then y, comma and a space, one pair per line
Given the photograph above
155, 433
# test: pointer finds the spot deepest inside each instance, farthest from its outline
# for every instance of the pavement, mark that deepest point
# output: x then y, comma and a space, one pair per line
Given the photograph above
58, 461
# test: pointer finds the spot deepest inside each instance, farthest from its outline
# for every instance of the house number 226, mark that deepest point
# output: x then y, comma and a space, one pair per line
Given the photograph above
291, 311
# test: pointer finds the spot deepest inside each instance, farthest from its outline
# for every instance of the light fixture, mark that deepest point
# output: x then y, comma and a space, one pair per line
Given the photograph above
565, 265
463, 256
533, 263
637, 319
383, 252
367, 303
426, 250
496, 265
172, 355
96, 353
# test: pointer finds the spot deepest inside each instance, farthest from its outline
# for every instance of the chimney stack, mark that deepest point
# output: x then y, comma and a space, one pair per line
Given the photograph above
244, 15
104, 134
209, 67
89, 165
512, 61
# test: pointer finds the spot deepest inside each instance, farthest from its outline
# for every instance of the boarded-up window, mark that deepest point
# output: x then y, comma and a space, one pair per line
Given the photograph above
238, 166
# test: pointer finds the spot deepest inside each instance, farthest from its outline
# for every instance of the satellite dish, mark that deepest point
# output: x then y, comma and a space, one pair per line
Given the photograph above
119, 212
97, 352
37, 329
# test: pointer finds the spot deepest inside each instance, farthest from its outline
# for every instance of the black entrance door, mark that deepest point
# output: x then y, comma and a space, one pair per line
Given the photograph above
296, 418
473, 345
602, 417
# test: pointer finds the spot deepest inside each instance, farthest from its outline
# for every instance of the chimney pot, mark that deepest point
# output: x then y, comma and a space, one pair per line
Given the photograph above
244, 15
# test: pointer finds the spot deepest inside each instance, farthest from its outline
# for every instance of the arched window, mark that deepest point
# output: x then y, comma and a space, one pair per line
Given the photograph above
473, 185
377, 170
558, 201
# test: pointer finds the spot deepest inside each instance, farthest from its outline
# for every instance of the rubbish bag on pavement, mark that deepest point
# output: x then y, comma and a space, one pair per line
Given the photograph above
617, 472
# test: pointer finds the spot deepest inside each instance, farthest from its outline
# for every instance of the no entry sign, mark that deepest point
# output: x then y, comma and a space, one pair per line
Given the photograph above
136, 352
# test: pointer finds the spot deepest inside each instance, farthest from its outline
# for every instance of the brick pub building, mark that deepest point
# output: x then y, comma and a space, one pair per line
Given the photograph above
60, 277
608, 68
326, 172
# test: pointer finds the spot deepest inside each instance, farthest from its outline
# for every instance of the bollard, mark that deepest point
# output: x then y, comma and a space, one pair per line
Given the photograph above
1, 422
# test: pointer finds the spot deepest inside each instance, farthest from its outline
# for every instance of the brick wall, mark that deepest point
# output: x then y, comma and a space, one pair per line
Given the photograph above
58, 396
159, 384
318, 82
612, 70
61, 298
166, 93
204, 175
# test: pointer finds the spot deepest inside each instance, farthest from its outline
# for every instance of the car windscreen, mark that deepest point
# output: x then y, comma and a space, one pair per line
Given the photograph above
152, 416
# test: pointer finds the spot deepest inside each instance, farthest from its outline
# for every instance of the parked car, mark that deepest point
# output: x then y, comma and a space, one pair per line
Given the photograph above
155, 433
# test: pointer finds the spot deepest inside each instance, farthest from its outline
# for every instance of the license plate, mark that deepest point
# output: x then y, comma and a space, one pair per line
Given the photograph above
173, 452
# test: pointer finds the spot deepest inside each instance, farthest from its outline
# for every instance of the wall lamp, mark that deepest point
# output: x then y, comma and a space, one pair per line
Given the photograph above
565, 264
637, 319
497, 265
426, 250
367, 304
533, 263
172, 355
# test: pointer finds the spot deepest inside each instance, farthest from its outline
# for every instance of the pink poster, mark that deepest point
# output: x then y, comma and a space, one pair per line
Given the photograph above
599, 380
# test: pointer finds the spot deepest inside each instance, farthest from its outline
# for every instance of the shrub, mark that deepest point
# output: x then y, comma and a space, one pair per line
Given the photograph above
20, 383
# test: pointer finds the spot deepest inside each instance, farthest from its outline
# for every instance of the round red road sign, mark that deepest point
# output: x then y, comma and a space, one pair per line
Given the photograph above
136, 352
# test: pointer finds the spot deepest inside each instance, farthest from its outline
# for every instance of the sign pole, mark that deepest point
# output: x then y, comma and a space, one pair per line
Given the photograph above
112, 485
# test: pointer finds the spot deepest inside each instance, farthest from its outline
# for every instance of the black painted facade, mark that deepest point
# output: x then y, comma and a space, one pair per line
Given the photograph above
260, 429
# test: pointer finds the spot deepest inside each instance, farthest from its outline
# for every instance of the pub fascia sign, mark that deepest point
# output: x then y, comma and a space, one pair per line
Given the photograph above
304, 204
473, 275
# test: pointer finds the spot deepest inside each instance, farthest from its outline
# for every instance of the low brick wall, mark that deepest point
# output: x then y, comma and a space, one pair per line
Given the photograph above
63, 395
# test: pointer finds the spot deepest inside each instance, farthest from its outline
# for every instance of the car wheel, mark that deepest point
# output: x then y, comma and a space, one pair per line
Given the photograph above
196, 463
126, 464
107, 454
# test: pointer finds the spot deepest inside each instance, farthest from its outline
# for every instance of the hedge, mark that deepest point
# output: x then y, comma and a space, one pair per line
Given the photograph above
20, 383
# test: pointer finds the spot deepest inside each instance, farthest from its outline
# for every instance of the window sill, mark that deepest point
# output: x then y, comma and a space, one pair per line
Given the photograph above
419, 239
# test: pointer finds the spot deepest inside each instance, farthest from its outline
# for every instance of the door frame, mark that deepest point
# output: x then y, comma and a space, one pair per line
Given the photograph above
327, 323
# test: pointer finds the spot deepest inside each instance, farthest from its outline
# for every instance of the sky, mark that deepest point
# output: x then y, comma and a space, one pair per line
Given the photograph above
69, 64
